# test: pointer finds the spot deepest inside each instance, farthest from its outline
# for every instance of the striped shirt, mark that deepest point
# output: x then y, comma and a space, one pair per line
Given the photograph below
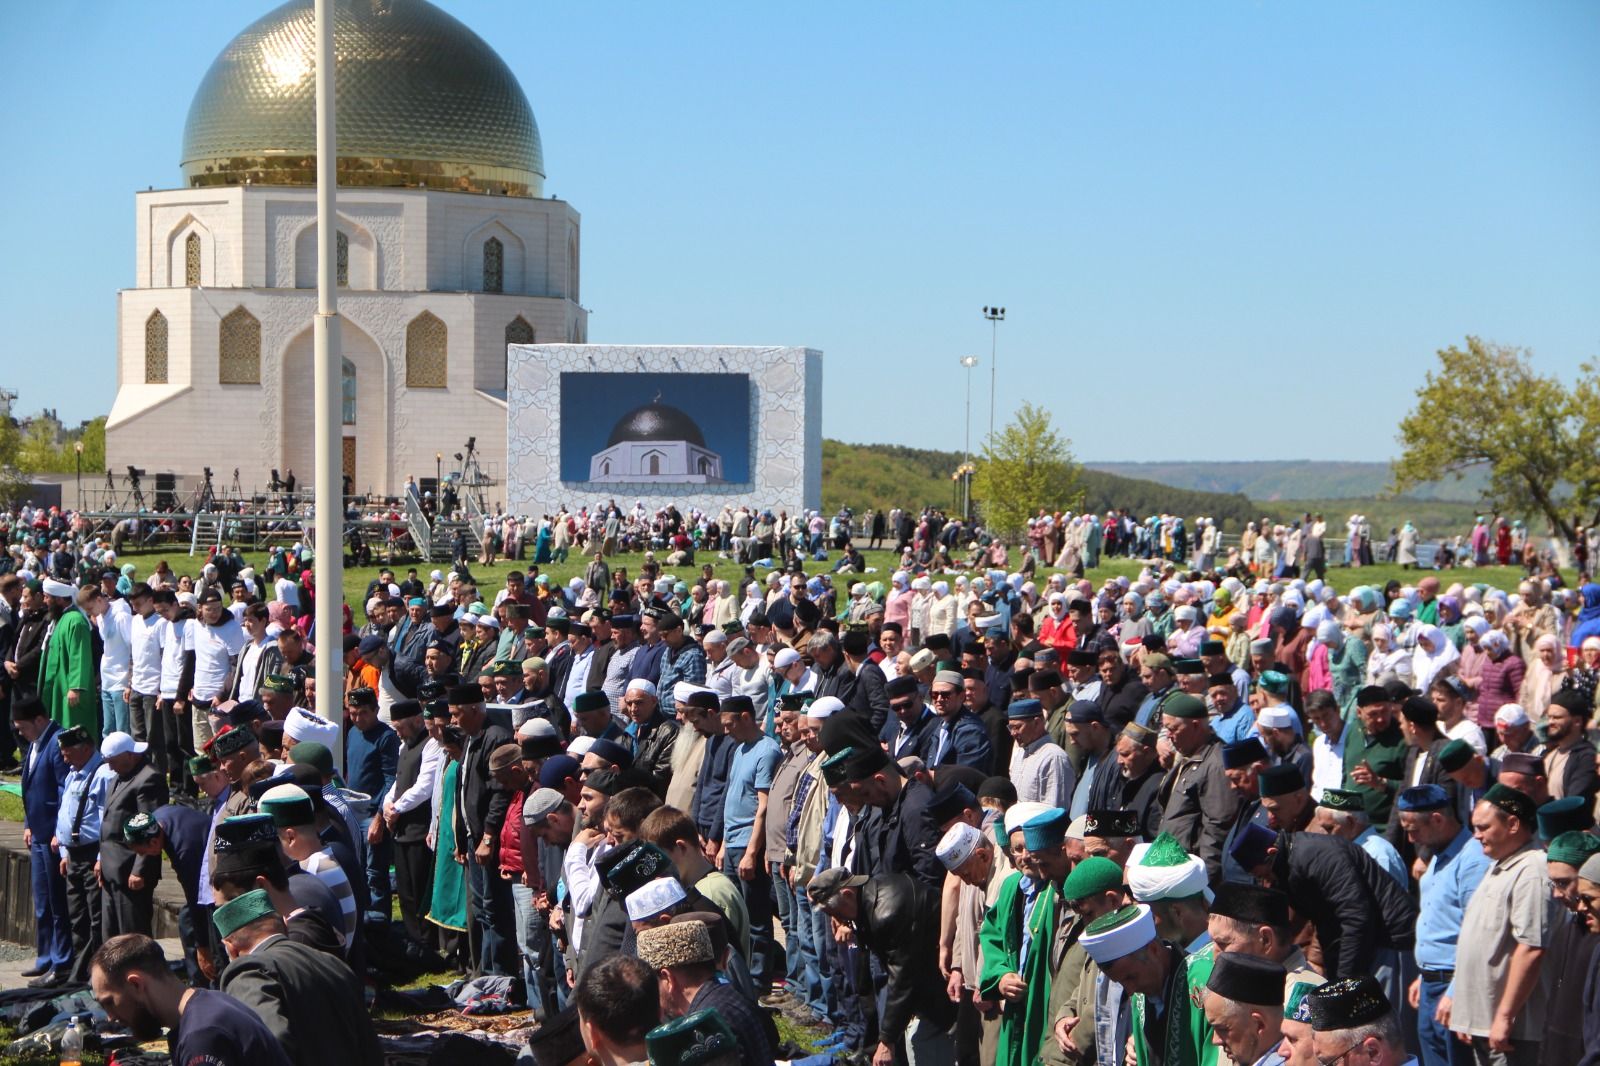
325, 868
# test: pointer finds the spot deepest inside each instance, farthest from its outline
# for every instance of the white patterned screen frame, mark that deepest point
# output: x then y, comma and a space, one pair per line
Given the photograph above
785, 425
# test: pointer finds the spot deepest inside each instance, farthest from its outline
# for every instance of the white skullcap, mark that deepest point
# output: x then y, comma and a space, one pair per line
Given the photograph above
714, 636
785, 658
682, 690
1277, 716
580, 746
826, 707
536, 729
1511, 714
1186, 611
302, 725
1109, 945
1177, 881
52, 587
640, 684
654, 898
957, 845
1078, 828
1020, 813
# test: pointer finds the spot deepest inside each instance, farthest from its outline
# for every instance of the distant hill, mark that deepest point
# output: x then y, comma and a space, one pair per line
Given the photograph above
1293, 479
890, 475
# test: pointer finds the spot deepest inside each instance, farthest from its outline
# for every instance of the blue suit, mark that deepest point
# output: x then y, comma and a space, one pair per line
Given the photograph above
963, 743
44, 776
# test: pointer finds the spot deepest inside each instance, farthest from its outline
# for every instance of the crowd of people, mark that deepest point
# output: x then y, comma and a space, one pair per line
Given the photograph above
1189, 816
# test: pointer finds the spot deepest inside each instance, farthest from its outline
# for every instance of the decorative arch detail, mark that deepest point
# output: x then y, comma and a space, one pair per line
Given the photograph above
239, 349
427, 352
155, 349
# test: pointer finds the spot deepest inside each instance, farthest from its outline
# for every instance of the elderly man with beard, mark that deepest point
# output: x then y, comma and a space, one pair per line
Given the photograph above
68, 676
1197, 803
1139, 767
1571, 955
654, 733
976, 876
1169, 1028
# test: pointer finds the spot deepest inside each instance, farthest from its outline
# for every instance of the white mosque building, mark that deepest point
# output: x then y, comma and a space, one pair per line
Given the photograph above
448, 251
657, 444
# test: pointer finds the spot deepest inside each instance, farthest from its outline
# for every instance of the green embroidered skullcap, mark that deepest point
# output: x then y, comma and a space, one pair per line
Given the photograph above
1275, 682
1341, 799
277, 683
140, 829
1573, 847
1454, 755
241, 911
691, 1040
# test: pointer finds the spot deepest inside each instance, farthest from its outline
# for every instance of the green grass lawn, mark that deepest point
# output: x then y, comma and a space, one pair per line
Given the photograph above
491, 577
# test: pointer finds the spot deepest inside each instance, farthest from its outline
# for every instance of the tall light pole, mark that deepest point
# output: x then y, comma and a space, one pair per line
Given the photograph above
328, 392
995, 315
77, 458
969, 361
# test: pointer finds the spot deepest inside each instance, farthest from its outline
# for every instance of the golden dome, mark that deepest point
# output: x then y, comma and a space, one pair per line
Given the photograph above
422, 100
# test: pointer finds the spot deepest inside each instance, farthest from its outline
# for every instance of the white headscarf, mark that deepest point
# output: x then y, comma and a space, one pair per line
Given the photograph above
1425, 665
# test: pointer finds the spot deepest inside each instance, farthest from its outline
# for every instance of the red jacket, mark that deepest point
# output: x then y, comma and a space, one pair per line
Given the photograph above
511, 838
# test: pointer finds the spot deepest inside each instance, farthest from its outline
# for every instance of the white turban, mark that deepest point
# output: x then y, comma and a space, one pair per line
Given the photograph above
1165, 878
1109, 945
52, 587
302, 725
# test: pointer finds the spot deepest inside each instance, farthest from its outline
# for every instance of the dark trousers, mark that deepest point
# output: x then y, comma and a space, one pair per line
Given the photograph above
83, 910
52, 932
492, 924
124, 910
413, 883
165, 754
1439, 1045
757, 894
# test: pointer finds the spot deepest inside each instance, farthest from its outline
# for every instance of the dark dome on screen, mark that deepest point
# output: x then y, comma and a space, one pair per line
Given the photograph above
656, 421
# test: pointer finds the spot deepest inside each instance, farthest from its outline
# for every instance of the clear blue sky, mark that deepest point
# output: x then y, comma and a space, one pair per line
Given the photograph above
1268, 215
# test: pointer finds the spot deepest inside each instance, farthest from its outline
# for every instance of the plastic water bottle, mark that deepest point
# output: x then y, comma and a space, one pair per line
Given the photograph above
72, 1045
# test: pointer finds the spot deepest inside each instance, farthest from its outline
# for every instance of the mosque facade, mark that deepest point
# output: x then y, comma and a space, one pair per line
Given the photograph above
448, 251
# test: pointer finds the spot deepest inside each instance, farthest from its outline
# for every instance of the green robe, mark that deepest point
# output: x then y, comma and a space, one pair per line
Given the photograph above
1386, 754
449, 908
1025, 1022
66, 664
1188, 1036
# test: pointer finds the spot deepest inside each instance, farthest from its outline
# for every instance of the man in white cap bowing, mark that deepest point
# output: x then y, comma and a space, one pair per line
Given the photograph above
1169, 1027
68, 677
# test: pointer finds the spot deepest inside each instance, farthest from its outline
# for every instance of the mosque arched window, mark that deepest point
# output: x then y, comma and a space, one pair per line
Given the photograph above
155, 349
239, 349
191, 260
341, 260
426, 352
347, 381
494, 265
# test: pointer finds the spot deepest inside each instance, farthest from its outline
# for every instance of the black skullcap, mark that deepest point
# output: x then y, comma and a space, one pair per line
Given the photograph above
949, 800
366, 697
606, 781
1347, 1004
1084, 711
1212, 647
1247, 979
1280, 780
1251, 904
937, 642
1398, 690
903, 685
1111, 823
400, 710
1043, 680
1420, 710
465, 695
737, 704
1241, 753
1219, 681
1371, 694
1082, 657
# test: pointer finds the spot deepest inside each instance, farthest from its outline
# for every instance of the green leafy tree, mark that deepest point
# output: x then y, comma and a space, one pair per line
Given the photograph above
38, 452
1025, 466
1487, 407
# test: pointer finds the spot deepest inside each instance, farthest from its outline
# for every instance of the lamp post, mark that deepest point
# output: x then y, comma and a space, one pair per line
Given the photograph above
438, 472
995, 315
968, 361
77, 458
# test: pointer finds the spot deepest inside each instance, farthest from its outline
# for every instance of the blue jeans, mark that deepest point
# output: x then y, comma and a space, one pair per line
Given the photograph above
810, 983
492, 914
533, 941
826, 1002
1439, 1045
114, 717
757, 894
380, 881
784, 901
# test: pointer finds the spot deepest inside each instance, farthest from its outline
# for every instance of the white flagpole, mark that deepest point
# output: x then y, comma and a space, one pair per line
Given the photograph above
329, 564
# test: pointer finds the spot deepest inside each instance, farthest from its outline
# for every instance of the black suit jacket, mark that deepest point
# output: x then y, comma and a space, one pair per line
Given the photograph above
1355, 906
309, 1000
1579, 777
909, 835
483, 804
871, 696
142, 790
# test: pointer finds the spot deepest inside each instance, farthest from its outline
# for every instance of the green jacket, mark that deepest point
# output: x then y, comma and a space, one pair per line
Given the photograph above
1024, 1023
1188, 1036
66, 665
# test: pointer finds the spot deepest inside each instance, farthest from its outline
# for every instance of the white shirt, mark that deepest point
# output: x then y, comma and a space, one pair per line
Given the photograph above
176, 639
146, 651
116, 632
247, 666
1327, 763
214, 649
1470, 732
421, 791
578, 676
